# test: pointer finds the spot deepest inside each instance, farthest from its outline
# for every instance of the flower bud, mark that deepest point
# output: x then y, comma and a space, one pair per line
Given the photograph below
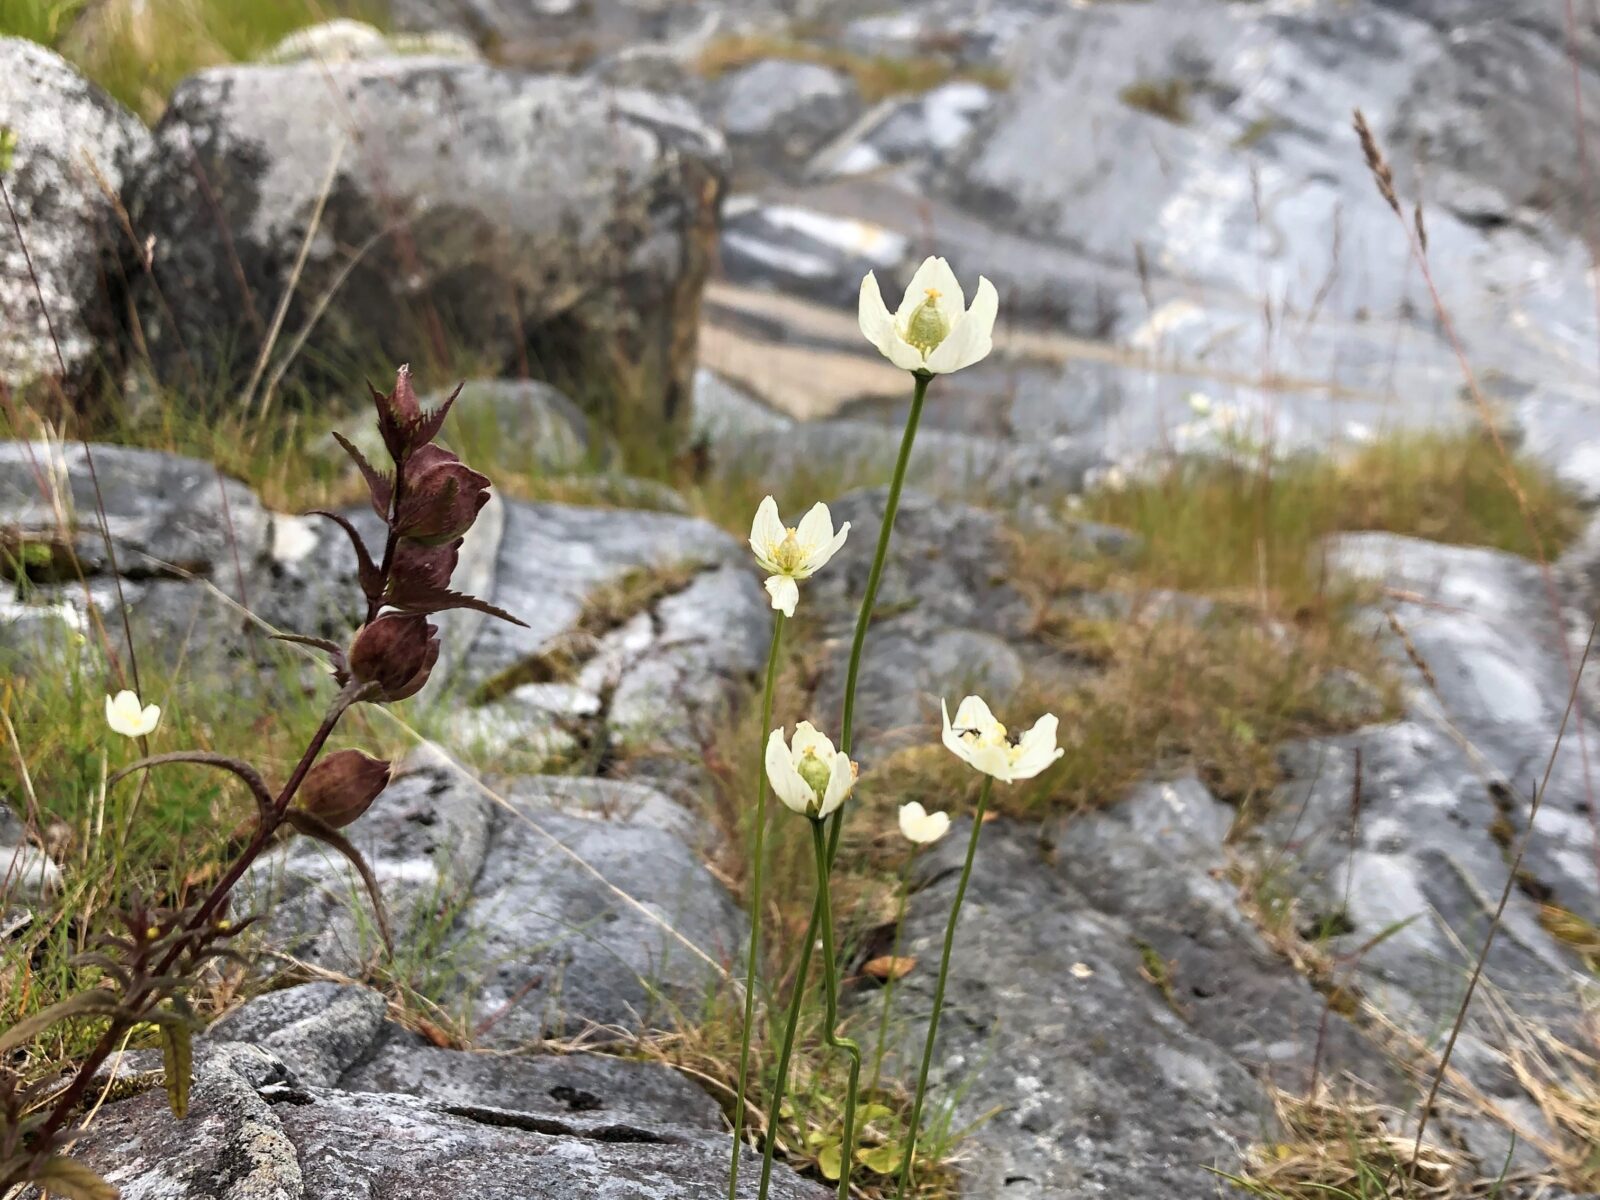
397, 652
442, 497
342, 786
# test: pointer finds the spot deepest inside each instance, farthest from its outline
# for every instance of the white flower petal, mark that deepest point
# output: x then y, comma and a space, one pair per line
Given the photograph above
808, 737
820, 556
877, 324
972, 338
785, 593
952, 741
920, 826
766, 531
841, 778
815, 528
795, 793
1037, 749
903, 354
973, 713
936, 274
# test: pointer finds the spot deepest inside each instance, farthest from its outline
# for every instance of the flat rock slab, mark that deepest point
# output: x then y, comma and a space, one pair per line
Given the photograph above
1103, 1073
410, 1121
555, 908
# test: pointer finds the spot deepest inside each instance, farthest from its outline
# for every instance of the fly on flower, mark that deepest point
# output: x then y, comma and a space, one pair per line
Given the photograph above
791, 554
981, 741
933, 331
128, 717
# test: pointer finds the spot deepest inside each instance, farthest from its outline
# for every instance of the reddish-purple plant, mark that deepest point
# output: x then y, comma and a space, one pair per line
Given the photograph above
428, 501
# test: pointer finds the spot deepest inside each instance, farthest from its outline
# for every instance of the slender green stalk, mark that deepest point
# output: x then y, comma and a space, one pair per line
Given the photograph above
857, 645
755, 911
775, 1105
888, 987
875, 577
938, 992
830, 989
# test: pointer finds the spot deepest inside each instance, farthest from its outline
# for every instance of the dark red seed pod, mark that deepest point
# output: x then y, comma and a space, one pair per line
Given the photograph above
442, 497
396, 652
342, 786
418, 566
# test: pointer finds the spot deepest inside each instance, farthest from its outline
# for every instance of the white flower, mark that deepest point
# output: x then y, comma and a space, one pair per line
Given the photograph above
1200, 404
808, 774
933, 330
793, 554
921, 826
981, 741
125, 716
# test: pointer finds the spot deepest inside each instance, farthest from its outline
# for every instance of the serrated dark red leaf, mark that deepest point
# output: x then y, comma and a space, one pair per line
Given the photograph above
379, 485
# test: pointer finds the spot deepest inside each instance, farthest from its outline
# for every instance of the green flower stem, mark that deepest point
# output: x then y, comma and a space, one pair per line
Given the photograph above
775, 1105
938, 992
755, 911
888, 987
875, 577
830, 988
863, 619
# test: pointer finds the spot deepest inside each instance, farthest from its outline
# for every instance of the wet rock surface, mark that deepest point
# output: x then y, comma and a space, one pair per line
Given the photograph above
266, 1122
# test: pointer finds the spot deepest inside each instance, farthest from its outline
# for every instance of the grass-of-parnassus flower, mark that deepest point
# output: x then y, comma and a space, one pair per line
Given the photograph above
813, 779
807, 773
933, 330
922, 827
792, 553
128, 717
979, 740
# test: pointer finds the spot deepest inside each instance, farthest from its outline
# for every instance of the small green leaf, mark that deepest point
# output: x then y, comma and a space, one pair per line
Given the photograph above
177, 1060
872, 1112
830, 1160
73, 1180
884, 1159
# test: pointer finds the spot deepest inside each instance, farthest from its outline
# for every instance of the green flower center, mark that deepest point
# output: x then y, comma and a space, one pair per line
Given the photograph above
787, 553
815, 772
927, 326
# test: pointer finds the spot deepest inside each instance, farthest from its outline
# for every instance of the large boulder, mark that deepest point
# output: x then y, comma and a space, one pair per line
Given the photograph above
75, 147
446, 210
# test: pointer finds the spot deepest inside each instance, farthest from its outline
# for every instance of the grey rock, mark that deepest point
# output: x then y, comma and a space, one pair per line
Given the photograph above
345, 40
164, 514
802, 251
558, 906
724, 411
426, 838
947, 619
777, 112
317, 1030
27, 873
592, 272
589, 1094
1442, 794
75, 149
411, 1120
591, 922
534, 429
1106, 1082
925, 129
649, 68
945, 463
